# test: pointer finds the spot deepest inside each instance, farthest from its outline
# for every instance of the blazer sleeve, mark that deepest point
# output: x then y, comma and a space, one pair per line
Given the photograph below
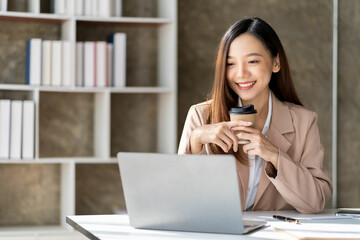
193, 120
303, 184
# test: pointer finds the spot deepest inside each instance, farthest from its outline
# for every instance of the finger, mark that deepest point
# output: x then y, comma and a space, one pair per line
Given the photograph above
228, 137
246, 129
244, 135
234, 140
236, 123
225, 137
221, 144
248, 147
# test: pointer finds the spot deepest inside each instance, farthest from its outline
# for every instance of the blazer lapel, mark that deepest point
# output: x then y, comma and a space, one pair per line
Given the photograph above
281, 124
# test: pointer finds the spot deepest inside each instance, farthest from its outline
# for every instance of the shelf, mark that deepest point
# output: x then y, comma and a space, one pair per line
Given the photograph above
16, 87
123, 20
62, 18
141, 90
21, 87
60, 160
33, 17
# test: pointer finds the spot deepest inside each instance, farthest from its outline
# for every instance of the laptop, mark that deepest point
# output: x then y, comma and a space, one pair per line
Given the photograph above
195, 193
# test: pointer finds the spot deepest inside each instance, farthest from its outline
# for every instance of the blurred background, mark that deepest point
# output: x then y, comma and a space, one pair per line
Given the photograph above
305, 28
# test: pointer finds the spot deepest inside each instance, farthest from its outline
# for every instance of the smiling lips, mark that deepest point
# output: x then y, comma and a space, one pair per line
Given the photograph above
246, 85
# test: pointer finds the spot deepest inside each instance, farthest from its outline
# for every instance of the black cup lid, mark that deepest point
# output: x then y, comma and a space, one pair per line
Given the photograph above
248, 109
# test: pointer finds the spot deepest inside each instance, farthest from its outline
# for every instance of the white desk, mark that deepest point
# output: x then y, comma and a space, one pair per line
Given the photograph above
110, 227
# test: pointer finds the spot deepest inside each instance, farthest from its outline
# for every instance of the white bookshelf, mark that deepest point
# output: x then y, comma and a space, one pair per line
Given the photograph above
165, 89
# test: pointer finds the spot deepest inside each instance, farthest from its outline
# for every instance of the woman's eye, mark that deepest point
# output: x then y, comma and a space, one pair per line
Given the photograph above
253, 61
229, 64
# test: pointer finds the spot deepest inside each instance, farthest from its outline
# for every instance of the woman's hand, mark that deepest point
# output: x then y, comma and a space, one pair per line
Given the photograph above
220, 134
259, 145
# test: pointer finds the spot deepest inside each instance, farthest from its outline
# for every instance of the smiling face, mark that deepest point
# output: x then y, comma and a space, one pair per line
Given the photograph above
249, 67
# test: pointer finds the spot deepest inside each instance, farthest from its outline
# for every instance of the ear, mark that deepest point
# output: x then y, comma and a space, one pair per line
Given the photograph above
276, 64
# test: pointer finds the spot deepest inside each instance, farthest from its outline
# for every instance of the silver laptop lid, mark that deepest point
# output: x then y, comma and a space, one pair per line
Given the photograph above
182, 192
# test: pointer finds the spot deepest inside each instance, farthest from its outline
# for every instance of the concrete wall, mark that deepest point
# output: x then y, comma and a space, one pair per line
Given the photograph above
349, 108
305, 29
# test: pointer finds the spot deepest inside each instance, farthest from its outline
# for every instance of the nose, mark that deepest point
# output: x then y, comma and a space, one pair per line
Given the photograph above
242, 71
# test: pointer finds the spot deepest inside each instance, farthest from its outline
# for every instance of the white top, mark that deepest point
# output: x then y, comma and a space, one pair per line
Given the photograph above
256, 163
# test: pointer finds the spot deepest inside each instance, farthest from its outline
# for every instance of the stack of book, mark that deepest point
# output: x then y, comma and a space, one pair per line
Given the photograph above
49, 63
92, 64
17, 129
101, 8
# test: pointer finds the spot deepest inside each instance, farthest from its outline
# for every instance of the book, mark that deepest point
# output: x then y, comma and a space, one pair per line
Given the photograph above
56, 68
117, 8
46, 63
28, 127
89, 64
70, 7
95, 6
105, 8
60, 7
119, 58
109, 64
5, 128
15, 129
3, 6
67, 64
79, 64
33, 61
101, 60
88, 5
95, 64
33, 6
79, 7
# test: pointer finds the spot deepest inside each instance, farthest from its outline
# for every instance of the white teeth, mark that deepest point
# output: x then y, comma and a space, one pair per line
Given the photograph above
246, 84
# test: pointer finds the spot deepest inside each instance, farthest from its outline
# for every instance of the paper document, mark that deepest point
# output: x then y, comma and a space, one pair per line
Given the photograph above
330, 229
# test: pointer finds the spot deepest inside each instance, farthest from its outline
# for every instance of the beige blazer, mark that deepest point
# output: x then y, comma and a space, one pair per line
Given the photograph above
300, 182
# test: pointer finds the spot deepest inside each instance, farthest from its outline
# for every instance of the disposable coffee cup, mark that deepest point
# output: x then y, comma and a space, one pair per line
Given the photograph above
246, 113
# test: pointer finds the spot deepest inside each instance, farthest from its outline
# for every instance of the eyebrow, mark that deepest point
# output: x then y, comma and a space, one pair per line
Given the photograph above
254, 54
249, 55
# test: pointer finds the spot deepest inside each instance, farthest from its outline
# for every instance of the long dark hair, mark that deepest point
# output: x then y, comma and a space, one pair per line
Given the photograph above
223, 97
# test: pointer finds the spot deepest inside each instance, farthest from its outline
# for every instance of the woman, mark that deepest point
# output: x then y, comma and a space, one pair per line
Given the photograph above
282, 165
